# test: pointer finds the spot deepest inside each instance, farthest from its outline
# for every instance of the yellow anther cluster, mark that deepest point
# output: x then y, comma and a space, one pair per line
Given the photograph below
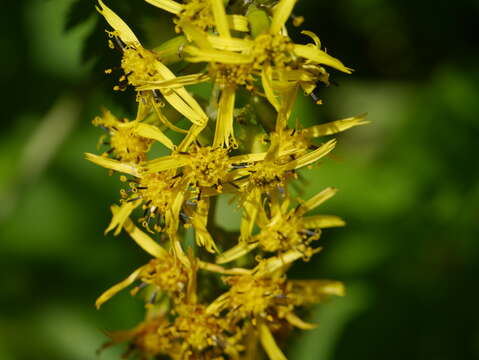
211, 293
207, 166
139, 65
195, 13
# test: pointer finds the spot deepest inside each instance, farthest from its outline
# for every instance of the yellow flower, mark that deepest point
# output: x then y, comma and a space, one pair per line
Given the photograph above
142, 65
283, 229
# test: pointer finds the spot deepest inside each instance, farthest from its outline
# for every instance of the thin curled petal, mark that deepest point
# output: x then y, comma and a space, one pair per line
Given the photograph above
107, 295
312, 156
282, 11
316, 200
335, 127
269, 344
220, 17
141, 238
167, 5
124, 32
235, 252
318, 56
294, 320
322, 221
152, 132
121, 215
238, 23
126, 168
224, 122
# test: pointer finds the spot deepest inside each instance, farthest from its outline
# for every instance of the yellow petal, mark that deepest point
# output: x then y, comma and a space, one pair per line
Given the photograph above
238, 22
334, 127
199, 220
165, 163
177, 82
314, 291
268, 88
221, 270
224, 121
180, 99
253, 157
269, 344
191, 136
194, 54
313, 36
123, 30
173, 213
322, 221
277, 262
121, 215
152, 132
126, 168
167, 5
164, 120
312, 156
318, 56
107, 295
235, 252
230, 44
221, 21
141, 238
250, 211
299, 323
316, 200
282, 11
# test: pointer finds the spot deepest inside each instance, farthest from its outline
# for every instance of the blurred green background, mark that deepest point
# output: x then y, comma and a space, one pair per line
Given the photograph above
408, 182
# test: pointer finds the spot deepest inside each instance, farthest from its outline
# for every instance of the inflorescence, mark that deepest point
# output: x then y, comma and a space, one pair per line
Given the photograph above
226, 294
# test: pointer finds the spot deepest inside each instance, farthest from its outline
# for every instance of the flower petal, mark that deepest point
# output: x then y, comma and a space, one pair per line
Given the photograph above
126, 168
140, 237
152, 132
312, 156
167, 5
334, 127
318, 56
322, 221
107, 295
316, 200
269, 344
124, 32
282, 11
221, 21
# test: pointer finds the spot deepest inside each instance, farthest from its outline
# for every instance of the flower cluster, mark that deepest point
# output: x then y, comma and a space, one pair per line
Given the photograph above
222, 295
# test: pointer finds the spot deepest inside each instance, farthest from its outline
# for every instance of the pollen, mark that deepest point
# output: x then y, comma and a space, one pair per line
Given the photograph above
197, 13
253, 295
128, 146
167, 273
139, 65
232, 74
273, 49
284, 233
207, 166
198, 328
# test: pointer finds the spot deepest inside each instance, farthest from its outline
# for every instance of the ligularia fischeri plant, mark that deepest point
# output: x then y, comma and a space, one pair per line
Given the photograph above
222, 294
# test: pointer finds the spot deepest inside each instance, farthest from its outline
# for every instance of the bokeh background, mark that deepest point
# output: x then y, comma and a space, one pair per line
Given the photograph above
408, 182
